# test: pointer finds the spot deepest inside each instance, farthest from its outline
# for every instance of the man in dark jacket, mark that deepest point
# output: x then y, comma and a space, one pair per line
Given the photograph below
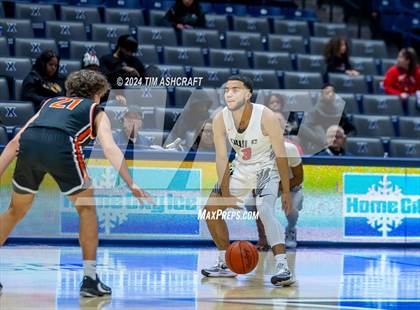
185, 14
122, 63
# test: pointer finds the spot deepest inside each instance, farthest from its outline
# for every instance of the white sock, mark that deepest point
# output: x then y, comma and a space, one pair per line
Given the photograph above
281, 259
221, 257
89, 268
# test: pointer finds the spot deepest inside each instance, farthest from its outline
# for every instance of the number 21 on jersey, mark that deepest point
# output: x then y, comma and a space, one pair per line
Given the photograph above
65, 103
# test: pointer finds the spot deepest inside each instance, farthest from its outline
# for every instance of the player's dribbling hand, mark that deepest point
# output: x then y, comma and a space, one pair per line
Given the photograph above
141, 194
286, 202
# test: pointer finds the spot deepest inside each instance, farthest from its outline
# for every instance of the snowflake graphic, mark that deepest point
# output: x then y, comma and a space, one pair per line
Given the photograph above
387, 222
108, 184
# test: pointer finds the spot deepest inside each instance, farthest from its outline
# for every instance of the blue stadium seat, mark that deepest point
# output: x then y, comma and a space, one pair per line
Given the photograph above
404, 148
291, 27
212, 77
79, 48
228, 58
262, 79
186, 56
201, 38
32, 48
17, 68
159, 36
373, 126
366, 147
15, 113
286, 43
244, 40
382, 105
251, 24
217, 22
272, 60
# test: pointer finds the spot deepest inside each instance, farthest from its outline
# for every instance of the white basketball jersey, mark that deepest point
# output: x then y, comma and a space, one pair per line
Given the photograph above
251, 146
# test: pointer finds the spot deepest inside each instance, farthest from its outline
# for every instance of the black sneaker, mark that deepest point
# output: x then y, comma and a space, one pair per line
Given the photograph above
94, 288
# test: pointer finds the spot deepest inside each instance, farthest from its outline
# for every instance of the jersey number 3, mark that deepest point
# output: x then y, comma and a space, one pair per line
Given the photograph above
246, 153
65, 103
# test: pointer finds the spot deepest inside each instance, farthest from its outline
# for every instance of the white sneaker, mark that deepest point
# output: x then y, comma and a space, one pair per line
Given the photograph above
219, 270
283, 276
290, 238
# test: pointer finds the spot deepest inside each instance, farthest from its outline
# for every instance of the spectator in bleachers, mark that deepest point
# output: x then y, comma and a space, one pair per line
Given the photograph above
336, 141
337, 57
195, 113
276, 103
44, 81
91, 62
204, 141
327, 111
403, 79
185, 14
130, 136
122, 63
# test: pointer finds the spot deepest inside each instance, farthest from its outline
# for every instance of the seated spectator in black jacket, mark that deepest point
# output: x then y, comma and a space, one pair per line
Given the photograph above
204, 141
122, 63
44, 81
185, 14
337, 57
336, 141
129, 136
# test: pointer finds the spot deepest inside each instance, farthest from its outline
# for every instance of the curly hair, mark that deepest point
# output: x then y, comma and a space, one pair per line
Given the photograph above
86, 84
332, 49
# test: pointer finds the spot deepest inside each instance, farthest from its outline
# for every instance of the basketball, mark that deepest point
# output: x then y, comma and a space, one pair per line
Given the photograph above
241, 257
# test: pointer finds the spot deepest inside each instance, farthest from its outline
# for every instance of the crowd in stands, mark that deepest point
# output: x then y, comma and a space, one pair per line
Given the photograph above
195, 128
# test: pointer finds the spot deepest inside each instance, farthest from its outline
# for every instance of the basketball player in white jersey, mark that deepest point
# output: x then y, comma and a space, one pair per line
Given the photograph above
256, 136
296, 179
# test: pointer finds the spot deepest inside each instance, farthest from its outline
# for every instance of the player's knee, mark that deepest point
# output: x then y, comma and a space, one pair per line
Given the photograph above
266, 213
18, 213
86, 210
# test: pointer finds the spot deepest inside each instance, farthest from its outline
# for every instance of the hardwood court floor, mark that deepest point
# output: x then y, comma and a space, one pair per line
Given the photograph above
48, 277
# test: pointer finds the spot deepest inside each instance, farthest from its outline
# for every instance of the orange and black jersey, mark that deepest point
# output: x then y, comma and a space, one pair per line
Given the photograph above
74, 116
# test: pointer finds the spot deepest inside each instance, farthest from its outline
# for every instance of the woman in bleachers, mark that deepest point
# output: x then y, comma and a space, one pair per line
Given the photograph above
276, 103
185, 14
43, 81
337, 57
403, 79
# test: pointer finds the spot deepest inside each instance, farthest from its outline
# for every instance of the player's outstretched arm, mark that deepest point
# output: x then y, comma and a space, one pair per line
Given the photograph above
271, 126
12, 148
115, 156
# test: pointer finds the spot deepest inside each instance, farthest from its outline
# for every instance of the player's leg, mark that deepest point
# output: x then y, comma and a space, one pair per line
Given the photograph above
19, 206
220, 234
69, 171
292, 218
266, 201
217, 224
250, 204
88, 239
